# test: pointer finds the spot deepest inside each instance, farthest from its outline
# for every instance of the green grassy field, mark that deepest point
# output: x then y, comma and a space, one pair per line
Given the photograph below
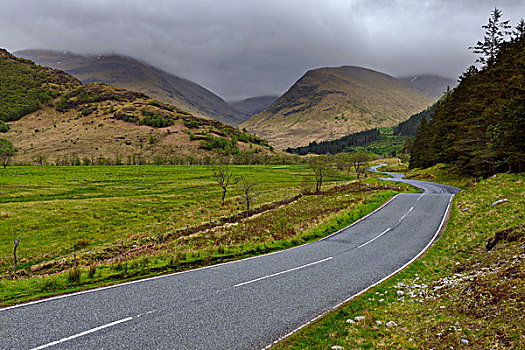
459, 295
55, 207
126, 222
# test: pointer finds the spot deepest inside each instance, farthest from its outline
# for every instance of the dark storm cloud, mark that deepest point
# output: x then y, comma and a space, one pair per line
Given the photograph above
241, 48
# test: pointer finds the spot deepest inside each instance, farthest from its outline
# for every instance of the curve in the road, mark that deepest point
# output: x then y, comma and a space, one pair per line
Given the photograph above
240, 305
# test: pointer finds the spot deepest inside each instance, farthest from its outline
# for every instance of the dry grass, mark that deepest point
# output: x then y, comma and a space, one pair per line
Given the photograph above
54, 135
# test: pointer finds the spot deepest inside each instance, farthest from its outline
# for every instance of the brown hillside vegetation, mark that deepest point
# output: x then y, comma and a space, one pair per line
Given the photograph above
328, 103
131, 74
97, 123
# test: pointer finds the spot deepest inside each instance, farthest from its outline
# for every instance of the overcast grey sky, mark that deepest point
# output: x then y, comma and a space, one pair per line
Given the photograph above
242, 48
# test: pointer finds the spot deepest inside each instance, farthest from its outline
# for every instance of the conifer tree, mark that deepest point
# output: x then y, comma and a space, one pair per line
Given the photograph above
419, 151
495, 33
519, 33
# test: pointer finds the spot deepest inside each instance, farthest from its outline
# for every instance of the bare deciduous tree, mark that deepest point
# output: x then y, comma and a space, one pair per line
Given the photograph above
342, 161
224, 178
322, 167
248, 194
40, 159
358, 161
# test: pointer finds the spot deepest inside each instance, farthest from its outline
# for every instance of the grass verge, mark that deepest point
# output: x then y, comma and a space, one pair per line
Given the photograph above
441, 173
459, 295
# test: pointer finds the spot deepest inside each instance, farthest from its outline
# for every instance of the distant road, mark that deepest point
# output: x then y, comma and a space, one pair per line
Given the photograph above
246, 304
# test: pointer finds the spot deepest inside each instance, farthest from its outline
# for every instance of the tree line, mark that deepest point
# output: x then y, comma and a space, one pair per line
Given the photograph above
361, 138
410, 126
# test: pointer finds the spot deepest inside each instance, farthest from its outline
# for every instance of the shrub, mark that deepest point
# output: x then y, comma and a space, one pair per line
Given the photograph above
192, 123
4, 127
85, 111
226, 145
154, 120
92, 270
160, 105
48, 285
81, 243
73, 275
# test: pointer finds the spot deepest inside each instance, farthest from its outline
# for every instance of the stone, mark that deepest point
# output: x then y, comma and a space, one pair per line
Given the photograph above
350, 321
464, 341
359, 318
337, 347
501, 201
400, 293
391, 324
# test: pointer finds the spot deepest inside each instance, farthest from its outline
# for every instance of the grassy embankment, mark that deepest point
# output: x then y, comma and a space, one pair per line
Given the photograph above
459, 295
128, 222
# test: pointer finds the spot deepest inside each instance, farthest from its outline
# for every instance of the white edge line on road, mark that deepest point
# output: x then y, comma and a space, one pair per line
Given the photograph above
187, 271
371, 286
93, 330
282, 272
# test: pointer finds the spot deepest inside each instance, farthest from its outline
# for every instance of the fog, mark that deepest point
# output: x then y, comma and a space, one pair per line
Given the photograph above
243, 48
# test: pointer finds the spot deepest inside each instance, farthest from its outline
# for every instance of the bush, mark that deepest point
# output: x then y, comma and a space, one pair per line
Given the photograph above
4, 127
74, 275
192, 123
160, 105
225, 144
48, 285
81, 243
92, 270
154, 120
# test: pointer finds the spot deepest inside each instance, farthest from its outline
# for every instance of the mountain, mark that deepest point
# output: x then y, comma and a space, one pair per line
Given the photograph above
131, 74
479, 128
50, 115
430, 85
253, 105
329, 103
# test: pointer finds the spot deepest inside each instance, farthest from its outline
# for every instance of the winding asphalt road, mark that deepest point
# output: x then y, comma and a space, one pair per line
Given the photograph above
247, 304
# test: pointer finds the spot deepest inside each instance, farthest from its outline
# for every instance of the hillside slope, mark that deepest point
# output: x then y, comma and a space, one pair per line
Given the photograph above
430, 85
59, 120
253, 105
329, 103
130, 74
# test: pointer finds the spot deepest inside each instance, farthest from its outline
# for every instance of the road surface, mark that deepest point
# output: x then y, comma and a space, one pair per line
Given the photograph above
247, 304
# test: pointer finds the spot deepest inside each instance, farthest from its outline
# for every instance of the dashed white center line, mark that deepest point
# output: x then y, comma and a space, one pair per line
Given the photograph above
376, 237
388, 229
93, 330
280, 273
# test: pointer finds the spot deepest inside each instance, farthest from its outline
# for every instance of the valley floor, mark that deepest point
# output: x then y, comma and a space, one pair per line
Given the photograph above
84, 227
